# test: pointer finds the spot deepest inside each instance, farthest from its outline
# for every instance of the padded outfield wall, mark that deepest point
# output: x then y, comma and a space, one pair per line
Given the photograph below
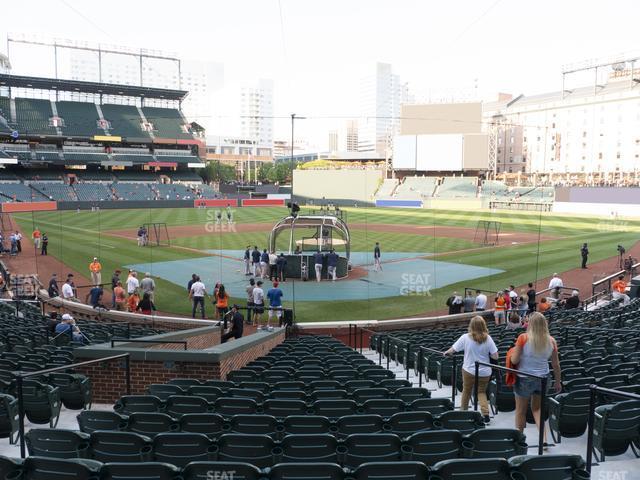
353, 185
622, 201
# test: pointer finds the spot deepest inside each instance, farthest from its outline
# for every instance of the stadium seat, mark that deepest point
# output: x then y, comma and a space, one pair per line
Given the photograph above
41, 403
75, 390
9, 467
228, 406
353, 385
494, 443
181, 448
254, 424
550, 467
464, 421
258, 450
325, 385
408, 423
292, 385
306, 471
137, 471
432, 446
151, 424
221, 384
383, 407
306, 424
209, 393
361, 395
350, 424
178, 405
8, 417
578, 384
435, 406
129, 404
501, 397
282, 408
391, 470
328, 395
41, 468
107, 446
291, 394
185, 383
211, 424
481, 469
568, 414
213, 470
255, 395
45, 442
615, 428
409, 394
309, 448
362, 448
262, 387
164, 390
334, 408
91, 420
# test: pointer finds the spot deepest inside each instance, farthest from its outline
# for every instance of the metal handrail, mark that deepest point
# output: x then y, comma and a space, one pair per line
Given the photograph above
594, 390
543, 394
20, 376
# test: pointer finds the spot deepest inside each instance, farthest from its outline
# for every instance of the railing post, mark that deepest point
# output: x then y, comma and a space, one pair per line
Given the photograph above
590, 425
388, 351
350, 335
407, 353
127, 367
128, 330
379, 349
361, 336
543, 400
454, 378
19, 381
420, 364
475, 387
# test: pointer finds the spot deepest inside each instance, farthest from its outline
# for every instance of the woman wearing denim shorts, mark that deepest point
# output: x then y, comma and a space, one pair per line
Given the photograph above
531, 355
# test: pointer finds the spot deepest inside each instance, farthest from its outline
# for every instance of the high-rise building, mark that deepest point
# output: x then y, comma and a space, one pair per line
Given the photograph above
256, 112
334, 140
351, 136
382, 94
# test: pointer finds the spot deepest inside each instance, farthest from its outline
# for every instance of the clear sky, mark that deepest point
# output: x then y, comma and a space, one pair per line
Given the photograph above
317, 51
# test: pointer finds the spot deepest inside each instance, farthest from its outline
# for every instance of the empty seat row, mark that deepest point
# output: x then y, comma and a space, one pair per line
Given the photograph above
214, 425
521, 467
178, 405
263, 451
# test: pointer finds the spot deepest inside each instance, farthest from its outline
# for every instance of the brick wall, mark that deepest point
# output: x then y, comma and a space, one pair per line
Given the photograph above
109, 381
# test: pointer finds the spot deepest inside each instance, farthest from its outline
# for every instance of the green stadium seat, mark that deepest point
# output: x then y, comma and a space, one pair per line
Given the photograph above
111, 446
362, 448
151, 424
550, 467
255, 395
432, 446
309, 448
391, 471
228, 406
306, 471
211, 424
480, 469
91, 420
138, 471
164, 390
75, 390
494, 443
306, 424
178, 405
57, 443
409, 394
568, 414
40, 468
41, 402
334, 408
9, 417
184, 383
129, 404
350, 424
407, 423
615, 428
181, 448
254, 424
258, 450
463, 421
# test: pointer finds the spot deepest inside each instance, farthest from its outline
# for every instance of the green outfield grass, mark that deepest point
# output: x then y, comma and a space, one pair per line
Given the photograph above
76, 237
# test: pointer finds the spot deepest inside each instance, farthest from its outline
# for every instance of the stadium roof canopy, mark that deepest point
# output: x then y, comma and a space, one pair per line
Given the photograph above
38, 83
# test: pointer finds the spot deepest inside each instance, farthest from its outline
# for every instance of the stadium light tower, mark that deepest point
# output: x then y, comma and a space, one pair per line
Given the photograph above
293, 121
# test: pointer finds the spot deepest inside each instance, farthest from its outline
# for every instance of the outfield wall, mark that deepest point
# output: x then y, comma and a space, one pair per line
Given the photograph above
347, 185
622, 201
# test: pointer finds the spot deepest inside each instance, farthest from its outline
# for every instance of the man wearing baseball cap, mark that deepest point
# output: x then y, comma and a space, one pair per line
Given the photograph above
67, 325
95, 268
237, 324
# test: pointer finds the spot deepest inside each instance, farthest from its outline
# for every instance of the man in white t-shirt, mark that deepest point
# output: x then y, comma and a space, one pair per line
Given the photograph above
197, 293
258, 303
132, 283
481, 301
555, 282
478, 346
67, 291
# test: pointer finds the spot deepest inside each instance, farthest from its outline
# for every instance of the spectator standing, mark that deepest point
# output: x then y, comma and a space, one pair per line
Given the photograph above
120, 298
523, 306
237, 325
148, 285
264, 263
584, 253
377, 266
115, 279
45, 245
94, 297
197, 293
275, 303
469, 302
132, 302
531, 354
146, 305
132, 283
191, 282
281, 264
500, 307
555, 282
454, 302
249, 290
531, 298
273, 266
317, 263
481, 301
222, 303
478, 346
53, 290
95, 268
18, 241
67, 291
13, 239
258, 303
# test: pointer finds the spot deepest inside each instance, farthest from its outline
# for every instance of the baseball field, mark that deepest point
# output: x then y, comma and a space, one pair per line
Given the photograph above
426, 254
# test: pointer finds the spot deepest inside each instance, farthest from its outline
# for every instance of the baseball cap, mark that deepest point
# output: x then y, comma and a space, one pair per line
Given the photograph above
236, 306
66, 316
